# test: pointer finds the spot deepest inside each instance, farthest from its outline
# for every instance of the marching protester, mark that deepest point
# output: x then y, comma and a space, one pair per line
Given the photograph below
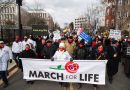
62, 54
70, 45
127, 60
41, 50
111, 55
49, 50
27, 53
16, 49
24, 42
39, 46
32, 43
98, 54
81, 53
5, 56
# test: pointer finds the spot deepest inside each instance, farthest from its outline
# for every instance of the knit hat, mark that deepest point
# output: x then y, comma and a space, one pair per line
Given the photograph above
62, 45
1, 42
25, 37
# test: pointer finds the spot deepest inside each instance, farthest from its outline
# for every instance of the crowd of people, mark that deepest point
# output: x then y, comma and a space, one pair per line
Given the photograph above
66, 48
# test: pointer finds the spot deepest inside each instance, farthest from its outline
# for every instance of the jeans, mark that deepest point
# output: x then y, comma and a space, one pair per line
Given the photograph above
15, 57
4, 76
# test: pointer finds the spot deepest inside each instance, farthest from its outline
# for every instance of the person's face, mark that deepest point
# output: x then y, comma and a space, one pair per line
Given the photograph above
70, 40
100, 49
43, 42
27, 47
1, 45
61, 48
49, 44
17, 38
81, 45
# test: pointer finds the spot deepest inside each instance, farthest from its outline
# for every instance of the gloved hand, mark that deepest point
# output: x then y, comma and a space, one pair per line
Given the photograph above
52, 59
10, 60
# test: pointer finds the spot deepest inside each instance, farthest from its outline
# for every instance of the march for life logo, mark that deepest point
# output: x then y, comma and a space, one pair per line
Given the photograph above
71, 67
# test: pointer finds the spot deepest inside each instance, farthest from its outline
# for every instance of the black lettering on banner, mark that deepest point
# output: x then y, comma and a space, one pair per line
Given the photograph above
96, 77
52, 75
47, 75
40, 75
32, 74
60, 76
81, 78
86, 77
90, 77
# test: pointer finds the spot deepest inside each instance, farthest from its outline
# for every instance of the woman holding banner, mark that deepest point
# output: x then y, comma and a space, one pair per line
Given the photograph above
62, 54
27, 53
98, 54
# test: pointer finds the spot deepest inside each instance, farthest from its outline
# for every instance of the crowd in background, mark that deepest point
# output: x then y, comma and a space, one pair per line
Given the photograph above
71, 47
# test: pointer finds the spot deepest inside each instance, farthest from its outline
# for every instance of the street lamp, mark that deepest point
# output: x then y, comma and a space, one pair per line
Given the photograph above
19, 2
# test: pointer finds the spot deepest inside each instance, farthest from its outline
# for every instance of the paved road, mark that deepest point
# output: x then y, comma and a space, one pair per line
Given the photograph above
17, 83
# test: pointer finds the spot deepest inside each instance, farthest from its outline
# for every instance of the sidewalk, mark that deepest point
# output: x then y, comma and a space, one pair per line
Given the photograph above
11, 66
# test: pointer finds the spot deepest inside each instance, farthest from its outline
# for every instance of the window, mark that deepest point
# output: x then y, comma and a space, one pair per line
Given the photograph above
120, 2
119, 15
107, 23
112, 22
128, 1
113, 11
127, 14
108, 11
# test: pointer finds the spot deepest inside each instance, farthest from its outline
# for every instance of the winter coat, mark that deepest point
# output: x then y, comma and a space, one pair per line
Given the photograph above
49, 51
27, 54
70, 47
112, 64
17, 47
81, 53
61, 55
5, 55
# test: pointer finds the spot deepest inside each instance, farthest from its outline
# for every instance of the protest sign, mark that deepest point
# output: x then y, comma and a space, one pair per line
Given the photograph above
41, 30
116, 34
86, 37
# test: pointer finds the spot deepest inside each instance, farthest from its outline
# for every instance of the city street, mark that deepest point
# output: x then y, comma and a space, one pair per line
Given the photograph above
120, 82
79, 41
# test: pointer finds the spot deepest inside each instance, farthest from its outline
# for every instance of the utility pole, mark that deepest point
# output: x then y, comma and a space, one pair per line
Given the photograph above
116, 14
1, 33
19, 2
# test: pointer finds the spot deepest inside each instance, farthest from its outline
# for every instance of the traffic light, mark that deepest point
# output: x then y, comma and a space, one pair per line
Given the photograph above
19, 2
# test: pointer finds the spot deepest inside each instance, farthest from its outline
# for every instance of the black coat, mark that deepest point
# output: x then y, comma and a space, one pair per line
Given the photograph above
113, 63
81, 53
49, 51
28, 54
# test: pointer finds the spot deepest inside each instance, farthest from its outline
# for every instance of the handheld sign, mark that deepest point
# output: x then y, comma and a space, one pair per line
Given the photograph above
41, 30
86, 37
116, 34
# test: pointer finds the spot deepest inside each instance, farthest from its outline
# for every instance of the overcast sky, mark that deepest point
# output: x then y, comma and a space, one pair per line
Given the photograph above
63, 11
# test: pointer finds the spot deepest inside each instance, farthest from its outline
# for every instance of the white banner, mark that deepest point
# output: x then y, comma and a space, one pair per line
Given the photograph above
81, 71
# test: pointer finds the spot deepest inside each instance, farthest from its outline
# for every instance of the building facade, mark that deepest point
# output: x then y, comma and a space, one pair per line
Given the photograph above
42, 14
9, 15
123, 15
110, 16
8, 12
81, 21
